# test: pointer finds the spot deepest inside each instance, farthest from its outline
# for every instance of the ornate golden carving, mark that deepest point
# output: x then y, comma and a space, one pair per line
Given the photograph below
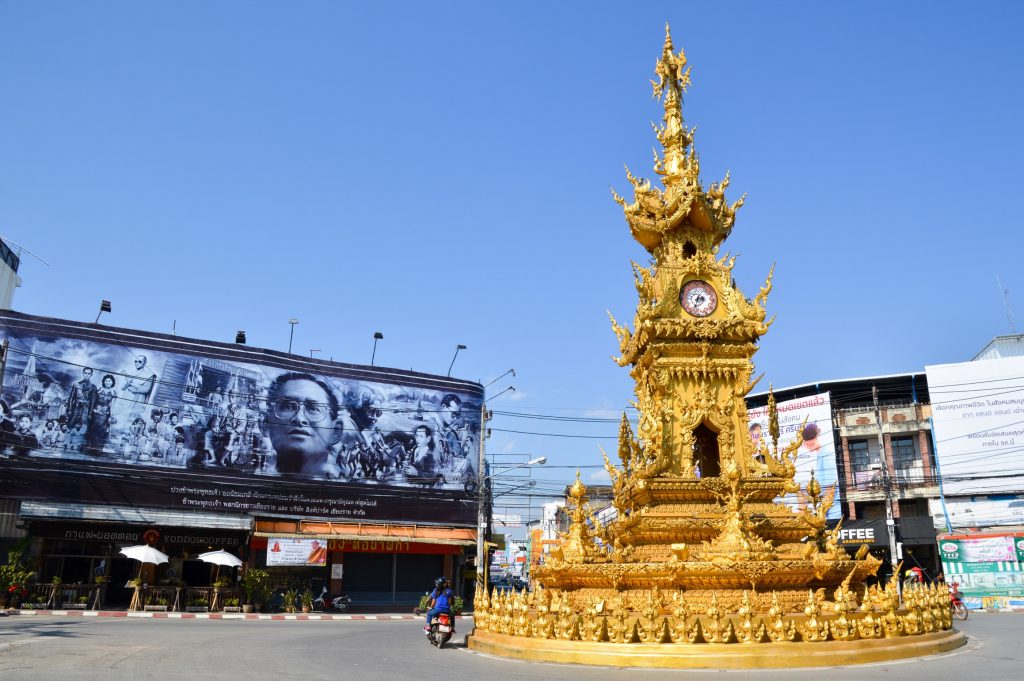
701, 550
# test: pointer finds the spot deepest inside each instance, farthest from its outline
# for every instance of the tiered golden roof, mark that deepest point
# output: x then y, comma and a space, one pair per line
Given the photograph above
701, 549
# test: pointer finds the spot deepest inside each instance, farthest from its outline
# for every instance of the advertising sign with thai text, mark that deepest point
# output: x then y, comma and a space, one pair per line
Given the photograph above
980, 549
978, 419
289, 551
95, 413
812, 418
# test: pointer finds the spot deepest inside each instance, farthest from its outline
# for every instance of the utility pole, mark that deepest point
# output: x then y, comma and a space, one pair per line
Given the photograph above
890, 520
481, 511
3, 360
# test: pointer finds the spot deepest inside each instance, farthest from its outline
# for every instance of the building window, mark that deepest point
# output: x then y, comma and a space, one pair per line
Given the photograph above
904, 455
859, 457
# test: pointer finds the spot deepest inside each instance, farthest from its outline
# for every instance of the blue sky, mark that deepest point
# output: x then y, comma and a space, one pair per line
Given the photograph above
440, 173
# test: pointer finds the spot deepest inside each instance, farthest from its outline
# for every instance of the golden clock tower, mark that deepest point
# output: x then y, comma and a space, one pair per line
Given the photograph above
701, 550
695, 332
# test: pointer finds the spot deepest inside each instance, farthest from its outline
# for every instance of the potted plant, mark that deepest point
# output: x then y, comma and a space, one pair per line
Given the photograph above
254, 587
457, 605
97, 593
54, 599
423, 605
307, 600
14, 575
289, 599
231, 605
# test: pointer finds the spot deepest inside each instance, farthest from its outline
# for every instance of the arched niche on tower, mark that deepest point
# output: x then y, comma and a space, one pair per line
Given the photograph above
706, 453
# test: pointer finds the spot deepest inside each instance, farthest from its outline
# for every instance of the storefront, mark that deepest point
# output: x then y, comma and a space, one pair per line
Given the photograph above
915, 537
78, 543
375, 564
183, 444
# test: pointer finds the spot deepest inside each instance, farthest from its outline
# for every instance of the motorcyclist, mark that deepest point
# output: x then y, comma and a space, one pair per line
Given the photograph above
440, 600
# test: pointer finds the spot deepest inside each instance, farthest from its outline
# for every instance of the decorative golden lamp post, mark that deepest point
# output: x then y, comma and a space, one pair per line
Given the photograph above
703, 565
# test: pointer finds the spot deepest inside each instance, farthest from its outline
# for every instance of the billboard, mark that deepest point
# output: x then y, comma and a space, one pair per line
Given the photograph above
985, 566
811, 416
978, 422
156, 420
288, 551
976, 511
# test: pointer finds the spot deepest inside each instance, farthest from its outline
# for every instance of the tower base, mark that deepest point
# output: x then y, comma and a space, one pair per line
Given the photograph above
716, 655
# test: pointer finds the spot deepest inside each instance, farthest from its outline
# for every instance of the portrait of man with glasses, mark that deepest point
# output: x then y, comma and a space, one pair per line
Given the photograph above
300, 421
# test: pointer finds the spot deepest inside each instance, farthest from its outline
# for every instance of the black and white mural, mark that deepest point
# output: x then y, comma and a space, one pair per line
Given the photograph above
90, 395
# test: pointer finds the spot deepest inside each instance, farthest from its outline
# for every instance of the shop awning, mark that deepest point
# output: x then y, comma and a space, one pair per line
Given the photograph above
423, 534
42, 510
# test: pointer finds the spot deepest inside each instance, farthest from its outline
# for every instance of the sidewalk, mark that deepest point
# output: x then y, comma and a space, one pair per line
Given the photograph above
314, 616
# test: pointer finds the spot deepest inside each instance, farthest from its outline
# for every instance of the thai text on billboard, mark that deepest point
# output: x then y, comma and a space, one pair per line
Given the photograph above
288, 551
978, 420
812, 418
93, 398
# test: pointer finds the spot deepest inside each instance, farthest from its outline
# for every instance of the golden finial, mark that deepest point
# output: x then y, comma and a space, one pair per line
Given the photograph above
773, 417
578, 490
813, 487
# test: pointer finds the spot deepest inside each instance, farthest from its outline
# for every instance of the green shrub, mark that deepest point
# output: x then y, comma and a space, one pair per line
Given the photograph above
254, 584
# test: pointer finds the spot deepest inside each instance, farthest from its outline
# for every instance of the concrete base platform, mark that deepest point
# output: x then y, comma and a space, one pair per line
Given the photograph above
716, 655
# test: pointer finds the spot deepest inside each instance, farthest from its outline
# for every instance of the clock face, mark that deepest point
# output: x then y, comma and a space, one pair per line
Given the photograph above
698, 298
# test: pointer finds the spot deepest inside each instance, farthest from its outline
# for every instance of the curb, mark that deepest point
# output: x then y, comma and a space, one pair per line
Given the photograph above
213, 615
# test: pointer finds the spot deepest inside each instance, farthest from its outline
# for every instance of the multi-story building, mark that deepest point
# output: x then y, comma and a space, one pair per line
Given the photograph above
352, 477
9, 279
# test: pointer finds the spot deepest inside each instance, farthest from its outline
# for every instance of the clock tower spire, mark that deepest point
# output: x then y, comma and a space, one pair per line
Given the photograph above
694, 333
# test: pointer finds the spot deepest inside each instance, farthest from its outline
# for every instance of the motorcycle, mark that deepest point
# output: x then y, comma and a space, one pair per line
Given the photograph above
956, 602
442, 626
325, 601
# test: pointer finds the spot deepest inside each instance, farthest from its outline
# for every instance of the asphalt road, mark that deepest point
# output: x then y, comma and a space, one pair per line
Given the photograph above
123, 649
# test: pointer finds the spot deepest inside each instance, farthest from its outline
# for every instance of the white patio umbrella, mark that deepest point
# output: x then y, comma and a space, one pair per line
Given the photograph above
220, 557
144, 553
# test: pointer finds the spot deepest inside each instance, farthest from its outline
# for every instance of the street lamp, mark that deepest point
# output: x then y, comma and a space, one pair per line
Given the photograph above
376, 337
511, 387
481, 516
511, 490
291, 335
510, 371
104, 307
458, 347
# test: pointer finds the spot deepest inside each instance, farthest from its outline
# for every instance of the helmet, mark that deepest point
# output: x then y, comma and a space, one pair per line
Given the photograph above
439, 582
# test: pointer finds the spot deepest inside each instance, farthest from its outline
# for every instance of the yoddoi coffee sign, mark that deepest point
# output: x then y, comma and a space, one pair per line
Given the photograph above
870, 532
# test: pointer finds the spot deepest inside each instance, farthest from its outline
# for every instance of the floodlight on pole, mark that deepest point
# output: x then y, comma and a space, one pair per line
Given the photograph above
511, 387
510, 371
526, 485
104, 307
458, 347
376, 337
291, 335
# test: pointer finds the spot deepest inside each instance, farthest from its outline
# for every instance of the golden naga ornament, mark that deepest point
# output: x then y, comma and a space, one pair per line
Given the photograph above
702, 554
